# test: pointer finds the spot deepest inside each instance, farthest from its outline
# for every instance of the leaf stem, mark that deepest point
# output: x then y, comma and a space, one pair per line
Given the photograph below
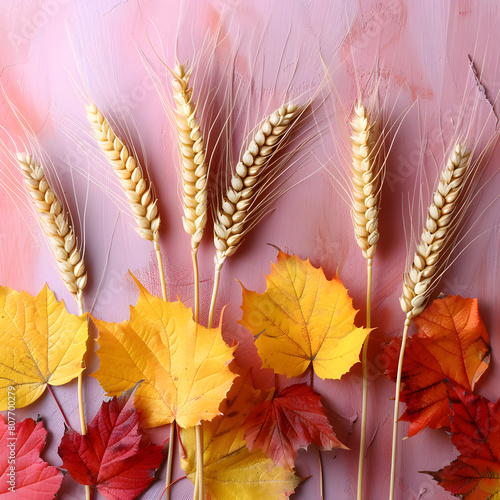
79, 300
396, 408
66, 421
218, 268
170, 456
161, 270
364, 360
320, 475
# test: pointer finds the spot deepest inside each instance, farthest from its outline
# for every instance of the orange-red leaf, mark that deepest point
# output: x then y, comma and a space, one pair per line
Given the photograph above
112, 456
451, 344
475, 427
292, 419
23, 474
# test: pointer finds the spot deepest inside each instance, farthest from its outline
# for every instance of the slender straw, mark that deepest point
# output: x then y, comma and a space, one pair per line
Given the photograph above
364, 359
396, 409
161, 270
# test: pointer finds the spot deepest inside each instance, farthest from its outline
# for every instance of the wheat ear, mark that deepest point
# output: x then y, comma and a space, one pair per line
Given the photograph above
138, 190
430, 257
57, 226
194, 168
366, 186
366, 180
232, 216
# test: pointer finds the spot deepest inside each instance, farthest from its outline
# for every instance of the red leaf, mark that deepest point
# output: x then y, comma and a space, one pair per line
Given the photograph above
20, 462
292, 419
111, 456
451, 344
475, 427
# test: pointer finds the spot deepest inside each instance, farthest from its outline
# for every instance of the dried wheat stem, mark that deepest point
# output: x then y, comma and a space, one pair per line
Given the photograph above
194, 168
430, 257
366, 180
231, 218
418, 282
57, 226
137, 189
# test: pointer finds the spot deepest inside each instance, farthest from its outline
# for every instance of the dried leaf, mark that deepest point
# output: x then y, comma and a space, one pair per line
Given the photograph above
451, 344
41, 344
475, 426
231, 471
184, 365
303, 318
112, 456
23, 474
292, 419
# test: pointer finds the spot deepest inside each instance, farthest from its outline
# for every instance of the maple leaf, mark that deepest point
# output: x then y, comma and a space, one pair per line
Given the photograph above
231, 470
41, 344
21, 467
112, 456
303, 318
451, 344
184, 365
475, 427
292, 419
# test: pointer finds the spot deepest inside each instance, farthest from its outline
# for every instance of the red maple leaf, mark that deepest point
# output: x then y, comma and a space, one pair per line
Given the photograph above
23, 474
475, 427
451, 344
112, 456
292, 419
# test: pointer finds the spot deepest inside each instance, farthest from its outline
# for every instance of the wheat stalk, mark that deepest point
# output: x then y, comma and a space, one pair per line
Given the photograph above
366, 180
418, 281
233, 215
57, 226
194, 168
430, 257
137, 189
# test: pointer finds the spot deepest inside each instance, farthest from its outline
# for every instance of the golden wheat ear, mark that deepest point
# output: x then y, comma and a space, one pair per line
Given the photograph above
56, 224
431, 252
138, 190
233, 217
194, 168
366, 180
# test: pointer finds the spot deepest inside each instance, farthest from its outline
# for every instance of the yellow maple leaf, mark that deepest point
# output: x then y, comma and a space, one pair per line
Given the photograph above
230, 470
183, 365
303, 318
42, 344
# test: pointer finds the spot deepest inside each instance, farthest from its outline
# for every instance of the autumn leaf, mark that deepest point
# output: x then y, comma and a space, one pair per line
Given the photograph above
292, 419
23, 474
451, 344
41, 344
231, 471
112, 456
303, 318
475, 427
184, 365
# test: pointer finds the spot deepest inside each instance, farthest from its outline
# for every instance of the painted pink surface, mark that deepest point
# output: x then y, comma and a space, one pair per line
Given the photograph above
52, 51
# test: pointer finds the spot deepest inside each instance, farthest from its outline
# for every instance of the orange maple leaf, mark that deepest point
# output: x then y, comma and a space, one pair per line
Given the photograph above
183, 365
451, 344
303, 319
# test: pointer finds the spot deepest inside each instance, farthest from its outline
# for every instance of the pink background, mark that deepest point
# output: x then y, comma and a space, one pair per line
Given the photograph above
52, 52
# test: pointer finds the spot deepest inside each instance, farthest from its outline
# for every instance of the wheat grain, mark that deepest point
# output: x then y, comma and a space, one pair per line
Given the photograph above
366, 180
441, 219
137, 189
194, 168
56, 224
233, 215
